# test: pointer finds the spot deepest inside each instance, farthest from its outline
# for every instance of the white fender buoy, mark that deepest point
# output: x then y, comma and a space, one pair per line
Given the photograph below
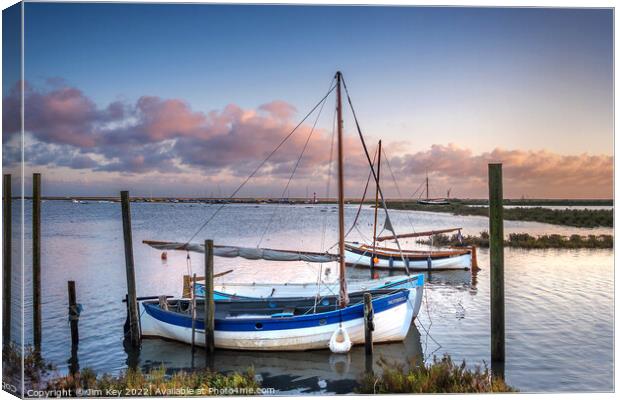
340, 342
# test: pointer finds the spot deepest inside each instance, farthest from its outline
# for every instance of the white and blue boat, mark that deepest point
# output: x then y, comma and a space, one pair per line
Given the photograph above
280, 323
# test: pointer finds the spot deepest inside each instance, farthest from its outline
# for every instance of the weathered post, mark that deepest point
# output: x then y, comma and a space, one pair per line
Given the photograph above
36, 261
474, 258
6, 260
132, 303
368, 323
368, 328
496, 245
74, 315
209, 317
193, 315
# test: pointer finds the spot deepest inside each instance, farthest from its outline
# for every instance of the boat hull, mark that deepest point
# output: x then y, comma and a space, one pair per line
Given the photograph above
357, 256
225, 291
393, 316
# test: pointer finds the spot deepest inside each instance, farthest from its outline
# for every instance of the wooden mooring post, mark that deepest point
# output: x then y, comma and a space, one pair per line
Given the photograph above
36, 261
496, 248
74, 316
369, 326
132, 301
209, 311
6, 260
193, 317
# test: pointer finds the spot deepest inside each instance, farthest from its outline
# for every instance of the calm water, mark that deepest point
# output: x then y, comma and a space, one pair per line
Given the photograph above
559, 303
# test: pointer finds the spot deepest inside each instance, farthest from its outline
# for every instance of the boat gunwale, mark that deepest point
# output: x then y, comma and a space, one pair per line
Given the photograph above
380, 304
412, 254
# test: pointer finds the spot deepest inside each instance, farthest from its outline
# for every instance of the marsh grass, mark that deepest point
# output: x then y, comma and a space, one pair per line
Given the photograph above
527, 241
42, 376
440, 376
134, 382
570, 217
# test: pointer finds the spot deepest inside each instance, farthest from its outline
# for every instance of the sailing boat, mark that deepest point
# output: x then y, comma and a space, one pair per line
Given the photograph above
433, 202
286, 323
373, 256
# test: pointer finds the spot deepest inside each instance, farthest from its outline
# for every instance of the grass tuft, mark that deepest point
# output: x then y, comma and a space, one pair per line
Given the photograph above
440, 376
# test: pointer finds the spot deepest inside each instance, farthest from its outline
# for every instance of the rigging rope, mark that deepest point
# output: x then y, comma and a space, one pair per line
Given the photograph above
293, 172
387, 161
262, 163
327, 190
359, 131
359, 209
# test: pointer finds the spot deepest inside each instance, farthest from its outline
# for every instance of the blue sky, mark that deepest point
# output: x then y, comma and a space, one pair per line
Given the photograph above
404, 63
482, 79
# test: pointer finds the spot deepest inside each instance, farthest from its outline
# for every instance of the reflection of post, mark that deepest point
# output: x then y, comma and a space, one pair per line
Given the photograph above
496, 248
74, 315
6, 260
36, 261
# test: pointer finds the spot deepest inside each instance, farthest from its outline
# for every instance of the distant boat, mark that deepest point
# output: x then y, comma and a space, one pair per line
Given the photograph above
434, 202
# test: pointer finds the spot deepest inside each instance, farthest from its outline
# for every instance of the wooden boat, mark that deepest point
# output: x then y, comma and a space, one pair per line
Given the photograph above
290, 324
300, 323
413, 260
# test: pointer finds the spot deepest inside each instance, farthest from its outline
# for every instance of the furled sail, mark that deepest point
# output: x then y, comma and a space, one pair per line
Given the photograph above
250, 253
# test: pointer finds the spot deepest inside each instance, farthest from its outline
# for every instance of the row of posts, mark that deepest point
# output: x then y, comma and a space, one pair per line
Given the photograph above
496, 233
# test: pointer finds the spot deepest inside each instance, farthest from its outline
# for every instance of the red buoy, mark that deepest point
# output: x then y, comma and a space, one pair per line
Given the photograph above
164, 256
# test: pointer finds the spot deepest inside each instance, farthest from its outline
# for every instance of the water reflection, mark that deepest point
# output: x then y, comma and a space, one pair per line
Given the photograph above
287, 371
556, 300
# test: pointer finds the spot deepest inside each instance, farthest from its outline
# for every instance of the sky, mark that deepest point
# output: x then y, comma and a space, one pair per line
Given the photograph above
189, 99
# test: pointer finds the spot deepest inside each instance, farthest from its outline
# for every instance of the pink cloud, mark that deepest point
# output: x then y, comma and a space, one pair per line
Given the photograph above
67, 129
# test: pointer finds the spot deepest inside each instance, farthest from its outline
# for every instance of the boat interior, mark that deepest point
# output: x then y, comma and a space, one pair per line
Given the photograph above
269, 307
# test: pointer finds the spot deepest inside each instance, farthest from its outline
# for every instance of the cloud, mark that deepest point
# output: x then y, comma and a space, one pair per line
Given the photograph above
66, 129
526, 172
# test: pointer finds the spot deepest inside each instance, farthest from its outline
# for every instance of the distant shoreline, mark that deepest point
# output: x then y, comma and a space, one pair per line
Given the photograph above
392, 202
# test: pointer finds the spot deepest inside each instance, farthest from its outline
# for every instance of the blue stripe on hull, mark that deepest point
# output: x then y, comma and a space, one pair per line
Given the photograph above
283, 323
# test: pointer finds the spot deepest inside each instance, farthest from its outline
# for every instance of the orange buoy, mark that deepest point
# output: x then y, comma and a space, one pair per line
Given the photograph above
164, 256
375, 260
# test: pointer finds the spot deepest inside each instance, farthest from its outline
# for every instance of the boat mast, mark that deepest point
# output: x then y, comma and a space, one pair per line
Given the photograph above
343, 298
427, 195
374, 234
